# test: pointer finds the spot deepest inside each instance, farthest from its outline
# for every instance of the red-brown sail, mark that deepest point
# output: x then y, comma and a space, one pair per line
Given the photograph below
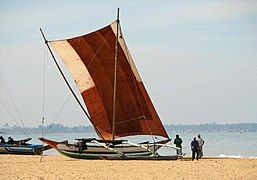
90, 60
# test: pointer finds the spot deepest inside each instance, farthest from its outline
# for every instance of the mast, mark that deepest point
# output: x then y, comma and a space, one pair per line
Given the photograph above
115, 77
73, 93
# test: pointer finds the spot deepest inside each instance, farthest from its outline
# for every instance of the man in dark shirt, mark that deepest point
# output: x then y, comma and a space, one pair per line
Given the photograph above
10, 140
178, 141
194, 148
2, 141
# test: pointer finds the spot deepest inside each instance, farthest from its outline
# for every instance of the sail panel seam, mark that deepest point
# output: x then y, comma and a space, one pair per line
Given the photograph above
132, 119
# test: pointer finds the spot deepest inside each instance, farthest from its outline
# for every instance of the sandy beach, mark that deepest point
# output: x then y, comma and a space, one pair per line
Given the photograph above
59, 167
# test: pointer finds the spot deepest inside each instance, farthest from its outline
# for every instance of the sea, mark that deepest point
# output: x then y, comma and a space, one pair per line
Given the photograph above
217, 144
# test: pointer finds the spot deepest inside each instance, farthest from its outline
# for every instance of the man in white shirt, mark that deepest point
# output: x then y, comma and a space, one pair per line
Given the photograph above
201, 143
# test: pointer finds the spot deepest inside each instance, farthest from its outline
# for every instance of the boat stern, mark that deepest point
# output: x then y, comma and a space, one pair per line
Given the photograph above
51, 143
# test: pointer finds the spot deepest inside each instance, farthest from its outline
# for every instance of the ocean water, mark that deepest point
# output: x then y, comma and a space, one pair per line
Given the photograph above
232, 144
218, 144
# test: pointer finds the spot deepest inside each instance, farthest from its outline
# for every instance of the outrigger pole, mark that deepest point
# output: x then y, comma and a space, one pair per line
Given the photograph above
109, 148
115, 77
46, 42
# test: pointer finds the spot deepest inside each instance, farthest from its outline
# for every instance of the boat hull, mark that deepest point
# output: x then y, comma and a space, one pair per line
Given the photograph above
85, 155
97, 152
28, 149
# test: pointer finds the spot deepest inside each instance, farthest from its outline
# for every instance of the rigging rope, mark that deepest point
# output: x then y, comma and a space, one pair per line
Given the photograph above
43, 98
128, 56
11, 115
98, 50
15, 107
57, 115
44, 86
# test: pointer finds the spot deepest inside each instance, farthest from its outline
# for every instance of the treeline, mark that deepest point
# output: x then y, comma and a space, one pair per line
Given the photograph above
213, 127
54, 128
210, 127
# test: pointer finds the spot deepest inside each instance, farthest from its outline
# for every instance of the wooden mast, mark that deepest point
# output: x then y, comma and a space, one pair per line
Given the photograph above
115, 77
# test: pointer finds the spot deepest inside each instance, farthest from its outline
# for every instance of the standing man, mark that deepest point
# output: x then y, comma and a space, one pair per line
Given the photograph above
200, 143
10, 140
194, 148
2, 141
178, 141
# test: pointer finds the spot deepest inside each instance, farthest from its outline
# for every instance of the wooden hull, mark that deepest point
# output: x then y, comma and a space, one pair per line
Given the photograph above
27, 149
85, 155
97, 152
156, 158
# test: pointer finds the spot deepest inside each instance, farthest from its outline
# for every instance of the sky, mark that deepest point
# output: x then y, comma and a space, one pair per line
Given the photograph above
197, 59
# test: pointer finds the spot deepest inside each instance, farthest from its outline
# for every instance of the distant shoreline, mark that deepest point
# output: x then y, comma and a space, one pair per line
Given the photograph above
208, 127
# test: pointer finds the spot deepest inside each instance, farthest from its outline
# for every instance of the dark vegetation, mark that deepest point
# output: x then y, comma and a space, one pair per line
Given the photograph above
210, 127
213, 127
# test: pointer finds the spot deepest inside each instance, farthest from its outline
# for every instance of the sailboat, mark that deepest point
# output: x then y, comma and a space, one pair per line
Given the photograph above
117, 102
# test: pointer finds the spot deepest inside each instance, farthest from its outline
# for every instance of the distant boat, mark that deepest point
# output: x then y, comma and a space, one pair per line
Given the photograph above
117, 102
22, 147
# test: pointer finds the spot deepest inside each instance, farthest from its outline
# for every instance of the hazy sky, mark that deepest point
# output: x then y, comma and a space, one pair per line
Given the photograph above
198, 59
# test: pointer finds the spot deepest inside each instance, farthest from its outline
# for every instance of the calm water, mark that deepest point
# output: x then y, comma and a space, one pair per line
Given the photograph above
216, 143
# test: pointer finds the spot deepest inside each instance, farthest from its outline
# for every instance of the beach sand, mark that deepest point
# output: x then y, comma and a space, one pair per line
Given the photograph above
59, 167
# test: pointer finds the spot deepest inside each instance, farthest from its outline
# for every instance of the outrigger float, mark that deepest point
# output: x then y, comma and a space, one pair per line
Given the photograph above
117, 102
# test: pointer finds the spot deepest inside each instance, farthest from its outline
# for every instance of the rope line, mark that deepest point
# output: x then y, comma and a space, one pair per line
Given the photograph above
11, 115
99, 49
44, 85
43, 99
58, 113
15, 107
128, 55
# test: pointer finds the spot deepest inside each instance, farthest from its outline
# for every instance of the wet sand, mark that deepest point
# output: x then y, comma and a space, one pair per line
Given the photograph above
59, 167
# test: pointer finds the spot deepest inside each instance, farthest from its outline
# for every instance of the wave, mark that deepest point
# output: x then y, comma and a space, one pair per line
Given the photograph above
229, 156
235, 156
253, 157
